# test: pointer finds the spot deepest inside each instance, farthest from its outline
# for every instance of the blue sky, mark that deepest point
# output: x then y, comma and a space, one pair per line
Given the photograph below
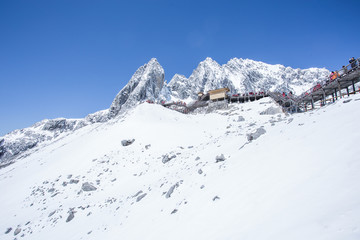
63, 58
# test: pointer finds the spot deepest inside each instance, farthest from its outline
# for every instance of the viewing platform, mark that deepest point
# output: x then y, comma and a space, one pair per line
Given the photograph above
335, 87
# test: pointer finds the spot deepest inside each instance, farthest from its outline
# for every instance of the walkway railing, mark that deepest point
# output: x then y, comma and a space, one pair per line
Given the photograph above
325, 82
333, 86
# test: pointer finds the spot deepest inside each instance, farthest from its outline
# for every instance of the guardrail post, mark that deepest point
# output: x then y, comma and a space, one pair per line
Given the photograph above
335, 94
347, 89
312, 102
339, 89
353, 84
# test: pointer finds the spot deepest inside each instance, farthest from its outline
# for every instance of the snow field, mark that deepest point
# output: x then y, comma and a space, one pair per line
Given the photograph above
298, 180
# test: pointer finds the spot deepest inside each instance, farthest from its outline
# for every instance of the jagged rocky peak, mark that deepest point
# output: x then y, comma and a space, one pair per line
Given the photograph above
210, 75
146, 83
207, 76
176, 79
177, 82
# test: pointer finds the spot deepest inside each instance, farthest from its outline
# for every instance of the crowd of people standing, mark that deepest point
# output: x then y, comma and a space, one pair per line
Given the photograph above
344, 70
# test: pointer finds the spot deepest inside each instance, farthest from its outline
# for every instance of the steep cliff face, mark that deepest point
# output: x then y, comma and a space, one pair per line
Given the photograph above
146, 83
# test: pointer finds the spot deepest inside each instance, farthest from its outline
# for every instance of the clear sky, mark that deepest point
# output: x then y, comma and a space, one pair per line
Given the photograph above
69, 58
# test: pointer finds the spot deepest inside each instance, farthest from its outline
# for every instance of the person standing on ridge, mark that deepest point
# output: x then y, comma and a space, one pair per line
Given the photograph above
352, 61
344, 70
332, 75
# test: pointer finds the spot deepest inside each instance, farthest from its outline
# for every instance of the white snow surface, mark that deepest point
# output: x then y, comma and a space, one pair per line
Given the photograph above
298, 178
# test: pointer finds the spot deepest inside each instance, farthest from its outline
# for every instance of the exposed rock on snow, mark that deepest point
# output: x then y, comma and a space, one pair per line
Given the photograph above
271, 111
253, 136
88, 187
166, 158
220, 158
240, 119
140, 197
74, 181
138, 193
52, 213
8, 230
171, 190
17, 231
127, 142
71, 215
216, 198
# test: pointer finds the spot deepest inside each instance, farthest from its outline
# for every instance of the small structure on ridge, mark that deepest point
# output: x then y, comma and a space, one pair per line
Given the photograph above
219, 94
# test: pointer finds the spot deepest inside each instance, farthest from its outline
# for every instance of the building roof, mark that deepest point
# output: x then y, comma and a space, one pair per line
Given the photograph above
219, 90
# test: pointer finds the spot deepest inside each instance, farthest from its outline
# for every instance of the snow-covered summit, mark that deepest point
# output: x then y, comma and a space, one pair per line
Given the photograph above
245, 75
146, 83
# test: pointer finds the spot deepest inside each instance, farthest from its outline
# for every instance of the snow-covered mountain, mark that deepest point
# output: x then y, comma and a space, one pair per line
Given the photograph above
148, 83
244, 75
245, 172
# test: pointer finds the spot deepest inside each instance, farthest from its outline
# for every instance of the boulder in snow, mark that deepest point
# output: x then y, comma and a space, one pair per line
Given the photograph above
88, 187
71, 215
240, 119
127, 142
271, 111
52, 213
252, 136
17, 231
166, 158
220, 158
141, 197
74, 181
8, 230
171, 190
216, 198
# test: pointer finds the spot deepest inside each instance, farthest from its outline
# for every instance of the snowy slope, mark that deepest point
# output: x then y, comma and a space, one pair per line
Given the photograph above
193, 177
